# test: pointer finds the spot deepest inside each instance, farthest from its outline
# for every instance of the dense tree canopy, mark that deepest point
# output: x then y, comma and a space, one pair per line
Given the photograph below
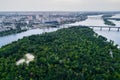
68, 54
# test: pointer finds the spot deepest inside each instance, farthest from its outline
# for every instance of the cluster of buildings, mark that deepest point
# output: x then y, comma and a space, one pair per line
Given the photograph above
29, 20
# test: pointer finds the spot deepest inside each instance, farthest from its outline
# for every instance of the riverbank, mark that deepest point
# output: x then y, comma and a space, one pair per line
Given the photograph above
9, 32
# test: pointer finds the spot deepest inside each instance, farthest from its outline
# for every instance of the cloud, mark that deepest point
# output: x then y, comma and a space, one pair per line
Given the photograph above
59, 5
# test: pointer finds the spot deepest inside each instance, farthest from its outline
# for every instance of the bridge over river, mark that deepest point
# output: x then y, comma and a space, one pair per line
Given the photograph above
101, 27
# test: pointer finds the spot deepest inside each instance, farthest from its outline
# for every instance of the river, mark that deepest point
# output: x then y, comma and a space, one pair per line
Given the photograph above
98, 21
91, 21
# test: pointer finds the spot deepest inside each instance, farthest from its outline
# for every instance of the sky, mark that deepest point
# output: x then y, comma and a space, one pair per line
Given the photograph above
59, 5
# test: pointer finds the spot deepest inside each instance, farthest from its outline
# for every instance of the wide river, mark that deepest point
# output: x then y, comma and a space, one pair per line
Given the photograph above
91, 21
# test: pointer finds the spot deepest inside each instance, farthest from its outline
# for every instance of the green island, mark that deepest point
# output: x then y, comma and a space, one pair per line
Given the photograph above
117, 19
107, 22
75, 53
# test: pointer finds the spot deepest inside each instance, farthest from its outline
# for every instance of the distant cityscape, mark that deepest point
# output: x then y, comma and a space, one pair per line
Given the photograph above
24, 21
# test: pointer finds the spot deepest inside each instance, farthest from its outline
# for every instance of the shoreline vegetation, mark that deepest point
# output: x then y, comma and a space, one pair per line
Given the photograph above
107, 18
75, 53
9, 32
108, 22
117, 19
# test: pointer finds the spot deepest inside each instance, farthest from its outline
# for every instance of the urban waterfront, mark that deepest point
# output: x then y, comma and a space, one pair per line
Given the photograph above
97, 21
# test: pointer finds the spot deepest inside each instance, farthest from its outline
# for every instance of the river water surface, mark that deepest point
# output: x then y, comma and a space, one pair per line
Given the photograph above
98, 21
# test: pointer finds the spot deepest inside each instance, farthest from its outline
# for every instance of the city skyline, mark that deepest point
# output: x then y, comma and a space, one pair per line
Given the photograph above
59, 5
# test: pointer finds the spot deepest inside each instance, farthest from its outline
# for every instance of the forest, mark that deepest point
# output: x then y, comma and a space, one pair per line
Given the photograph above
75, 53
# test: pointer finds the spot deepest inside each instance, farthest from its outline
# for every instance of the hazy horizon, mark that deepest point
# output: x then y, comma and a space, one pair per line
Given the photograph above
59, 5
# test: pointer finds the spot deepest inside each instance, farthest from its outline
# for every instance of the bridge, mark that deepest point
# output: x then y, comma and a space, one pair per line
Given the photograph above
95, 18
101, 27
